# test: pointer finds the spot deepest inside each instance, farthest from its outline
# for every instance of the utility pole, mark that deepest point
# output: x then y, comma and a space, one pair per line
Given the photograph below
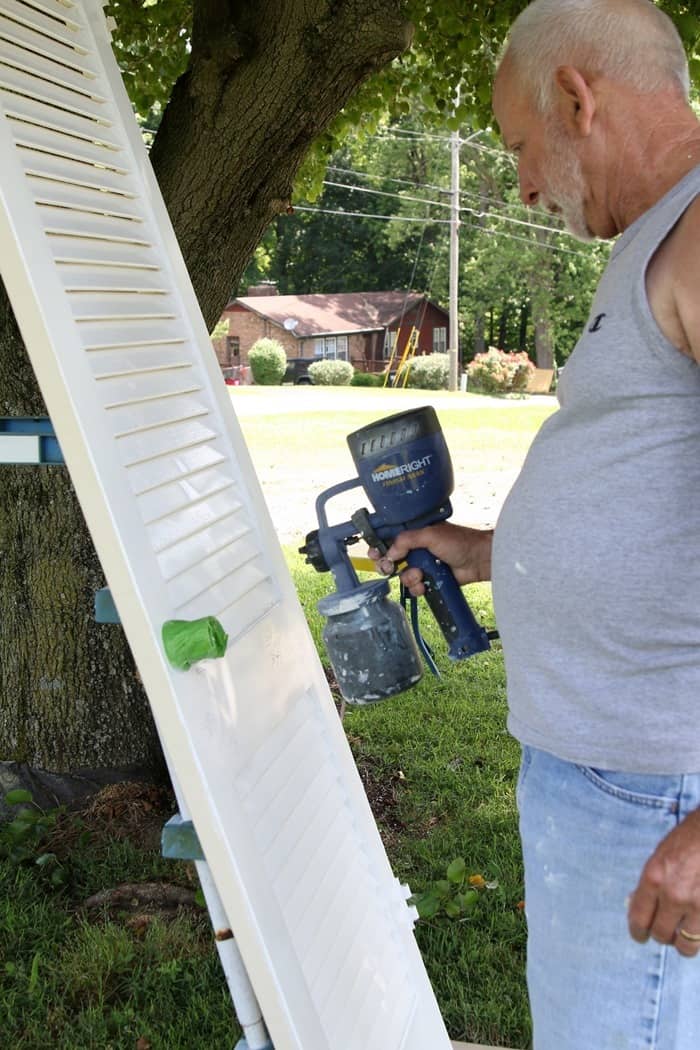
454, 260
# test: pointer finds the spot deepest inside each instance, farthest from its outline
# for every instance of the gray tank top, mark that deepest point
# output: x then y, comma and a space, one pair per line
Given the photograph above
596, 558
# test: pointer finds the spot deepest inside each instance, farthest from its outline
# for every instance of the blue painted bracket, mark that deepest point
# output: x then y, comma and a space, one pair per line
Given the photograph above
29, 440
179, 840
105, 609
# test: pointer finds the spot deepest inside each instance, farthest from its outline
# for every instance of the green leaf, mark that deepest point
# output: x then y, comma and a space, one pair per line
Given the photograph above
467, 900
427, 906
443, 887
34, 974
46, 860
19, 795
59, 877
453, 909
19, 830
29, 816
457, 870
688, 27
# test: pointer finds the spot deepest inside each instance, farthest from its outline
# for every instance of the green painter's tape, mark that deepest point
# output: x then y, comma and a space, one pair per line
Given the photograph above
188, 641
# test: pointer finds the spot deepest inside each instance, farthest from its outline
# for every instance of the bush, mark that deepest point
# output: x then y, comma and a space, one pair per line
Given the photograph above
268, 362
429, 372
497, 372
367, 379
331, 373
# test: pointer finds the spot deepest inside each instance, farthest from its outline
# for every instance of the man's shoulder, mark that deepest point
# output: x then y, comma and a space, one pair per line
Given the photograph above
672, 280
685, 236
683, 275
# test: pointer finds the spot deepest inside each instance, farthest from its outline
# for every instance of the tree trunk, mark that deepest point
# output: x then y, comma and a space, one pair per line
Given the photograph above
503, 328
522, 331
71, 697
265, 80
541, 282
544, 339
479, 335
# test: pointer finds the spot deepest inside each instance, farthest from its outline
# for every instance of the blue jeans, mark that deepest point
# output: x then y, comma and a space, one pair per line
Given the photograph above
586, 836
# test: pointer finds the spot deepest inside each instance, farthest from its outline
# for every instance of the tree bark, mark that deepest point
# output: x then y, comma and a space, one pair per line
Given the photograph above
71, 697
541, 284
265, 80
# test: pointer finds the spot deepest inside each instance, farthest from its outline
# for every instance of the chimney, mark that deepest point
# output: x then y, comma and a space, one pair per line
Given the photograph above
264, 288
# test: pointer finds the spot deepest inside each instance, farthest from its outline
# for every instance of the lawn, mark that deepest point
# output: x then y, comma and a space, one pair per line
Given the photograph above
439, 768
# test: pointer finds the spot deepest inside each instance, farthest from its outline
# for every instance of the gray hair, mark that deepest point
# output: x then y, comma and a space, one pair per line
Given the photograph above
632, 41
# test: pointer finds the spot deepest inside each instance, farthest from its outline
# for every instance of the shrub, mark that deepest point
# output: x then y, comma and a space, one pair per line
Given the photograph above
498, 372
268, 362
429, 372
331, 373
367, 379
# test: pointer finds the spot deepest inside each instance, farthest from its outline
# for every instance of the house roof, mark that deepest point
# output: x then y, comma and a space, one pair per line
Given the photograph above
335, 314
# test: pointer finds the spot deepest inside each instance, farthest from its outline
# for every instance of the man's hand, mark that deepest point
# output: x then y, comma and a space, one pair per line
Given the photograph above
666, 903
466, 551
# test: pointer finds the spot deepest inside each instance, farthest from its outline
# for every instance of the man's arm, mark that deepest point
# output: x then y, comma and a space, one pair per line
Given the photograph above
666, 902
687, 279
673, 280
466, 551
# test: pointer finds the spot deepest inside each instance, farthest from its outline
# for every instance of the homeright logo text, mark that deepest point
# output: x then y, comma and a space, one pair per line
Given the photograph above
389, 473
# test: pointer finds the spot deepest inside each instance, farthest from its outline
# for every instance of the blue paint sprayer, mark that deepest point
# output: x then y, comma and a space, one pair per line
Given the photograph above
404, 467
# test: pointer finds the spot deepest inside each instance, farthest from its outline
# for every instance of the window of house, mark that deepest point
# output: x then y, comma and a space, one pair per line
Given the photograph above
331, 346
439, 340
389, 343
233, 349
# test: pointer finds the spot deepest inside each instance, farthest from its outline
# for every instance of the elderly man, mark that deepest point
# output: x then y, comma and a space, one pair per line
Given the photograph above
595, 560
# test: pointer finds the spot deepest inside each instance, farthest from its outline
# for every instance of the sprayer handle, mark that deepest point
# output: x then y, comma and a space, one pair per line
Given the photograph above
448, 605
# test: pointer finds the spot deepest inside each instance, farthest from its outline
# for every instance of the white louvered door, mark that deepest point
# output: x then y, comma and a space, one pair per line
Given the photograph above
126, 368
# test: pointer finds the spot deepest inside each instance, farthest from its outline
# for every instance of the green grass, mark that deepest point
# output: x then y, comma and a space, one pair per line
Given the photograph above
73, 983
441, 752
489, 434
444, 748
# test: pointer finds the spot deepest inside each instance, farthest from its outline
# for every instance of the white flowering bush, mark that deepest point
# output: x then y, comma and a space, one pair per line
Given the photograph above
331, 373
498, 372
429, 372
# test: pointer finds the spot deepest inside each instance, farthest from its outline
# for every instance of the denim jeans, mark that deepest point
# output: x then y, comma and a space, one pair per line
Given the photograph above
586, 836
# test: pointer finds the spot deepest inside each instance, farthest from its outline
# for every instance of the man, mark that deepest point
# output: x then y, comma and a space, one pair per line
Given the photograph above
595, 560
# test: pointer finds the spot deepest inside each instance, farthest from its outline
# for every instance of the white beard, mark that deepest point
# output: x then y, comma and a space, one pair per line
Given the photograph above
564, 192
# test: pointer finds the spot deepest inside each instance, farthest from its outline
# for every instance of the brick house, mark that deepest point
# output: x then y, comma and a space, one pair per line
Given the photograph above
360, 327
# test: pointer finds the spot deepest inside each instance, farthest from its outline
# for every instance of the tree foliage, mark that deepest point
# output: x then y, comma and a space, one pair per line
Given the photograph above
454, 49
240, 96
516, 266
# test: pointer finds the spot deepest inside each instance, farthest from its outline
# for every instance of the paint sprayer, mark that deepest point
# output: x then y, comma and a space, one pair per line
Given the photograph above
404, 467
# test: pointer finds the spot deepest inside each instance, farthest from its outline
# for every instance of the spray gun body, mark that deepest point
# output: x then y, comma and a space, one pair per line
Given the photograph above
405, 470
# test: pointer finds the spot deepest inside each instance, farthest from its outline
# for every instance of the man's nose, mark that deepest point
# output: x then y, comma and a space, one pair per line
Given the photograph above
529, 194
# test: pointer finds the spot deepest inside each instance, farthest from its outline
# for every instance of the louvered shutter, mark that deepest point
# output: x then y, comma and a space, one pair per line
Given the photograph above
126, 368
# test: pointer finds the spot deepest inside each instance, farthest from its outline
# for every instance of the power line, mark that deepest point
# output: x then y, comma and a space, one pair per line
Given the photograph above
366, 215
427, 136
526, 240
442, 222
466, 194
384, 193
388, 178
444, 204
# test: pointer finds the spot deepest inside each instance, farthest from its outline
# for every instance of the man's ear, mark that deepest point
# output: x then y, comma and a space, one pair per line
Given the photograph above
576, 100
